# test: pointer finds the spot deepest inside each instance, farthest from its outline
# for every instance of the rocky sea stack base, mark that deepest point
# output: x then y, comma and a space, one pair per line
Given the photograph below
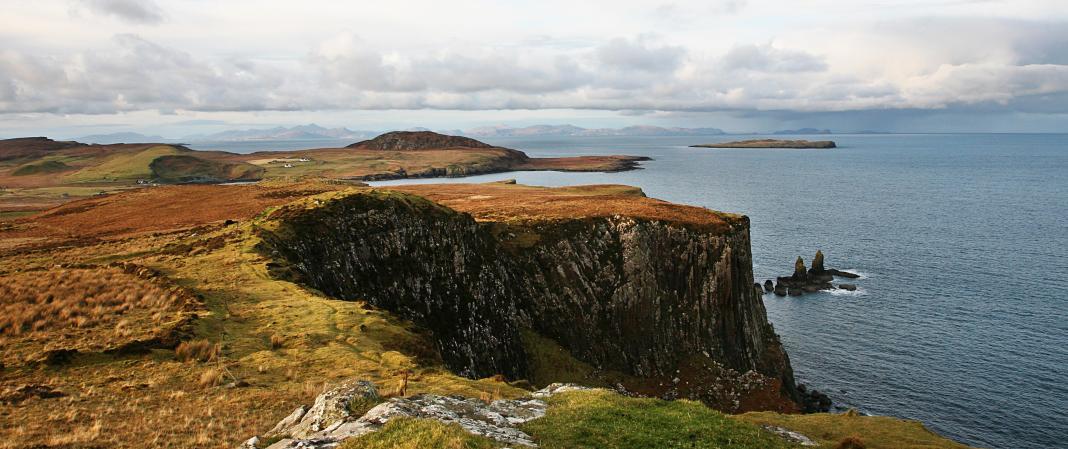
809, 280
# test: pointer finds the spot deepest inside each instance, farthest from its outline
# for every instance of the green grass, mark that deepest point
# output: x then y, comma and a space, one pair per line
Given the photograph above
406, 433
183, 167
876, 432
124, 165
549, 362
606, 420
41, 168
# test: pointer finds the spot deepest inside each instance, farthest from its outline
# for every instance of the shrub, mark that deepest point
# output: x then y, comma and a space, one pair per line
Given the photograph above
850, 442
277, 341
197, 350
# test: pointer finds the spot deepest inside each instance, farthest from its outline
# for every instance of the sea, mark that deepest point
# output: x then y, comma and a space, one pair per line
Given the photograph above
961, 316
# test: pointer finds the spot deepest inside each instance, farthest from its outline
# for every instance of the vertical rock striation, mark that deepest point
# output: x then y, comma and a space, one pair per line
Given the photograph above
631, 295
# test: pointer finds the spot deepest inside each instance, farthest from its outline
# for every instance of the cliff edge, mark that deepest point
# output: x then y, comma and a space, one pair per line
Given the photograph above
660, 295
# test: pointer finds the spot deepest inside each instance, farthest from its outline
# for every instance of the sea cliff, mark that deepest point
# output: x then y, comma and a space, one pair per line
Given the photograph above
638, 296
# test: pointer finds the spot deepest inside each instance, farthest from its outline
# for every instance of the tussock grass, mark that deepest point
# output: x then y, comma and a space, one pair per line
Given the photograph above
210, 378
277, 341
53, 300
197, 350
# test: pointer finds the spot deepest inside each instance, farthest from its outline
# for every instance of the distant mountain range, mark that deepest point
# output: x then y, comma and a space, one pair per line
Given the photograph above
316, 132
803, 131
303, 132
571, 130
106, 139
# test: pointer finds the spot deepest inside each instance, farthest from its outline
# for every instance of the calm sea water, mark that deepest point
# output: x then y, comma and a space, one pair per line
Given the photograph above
961, 320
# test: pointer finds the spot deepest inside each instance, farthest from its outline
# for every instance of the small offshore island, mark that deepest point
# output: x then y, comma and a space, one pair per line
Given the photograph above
771, 143
319, 312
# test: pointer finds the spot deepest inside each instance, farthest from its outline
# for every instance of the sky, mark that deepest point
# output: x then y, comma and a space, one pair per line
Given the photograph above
179, 67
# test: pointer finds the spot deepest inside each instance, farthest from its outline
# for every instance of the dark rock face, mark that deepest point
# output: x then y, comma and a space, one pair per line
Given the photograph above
812, 401
817, 262
849, 287
422, 261
844, 274
635, 296
800, 274
769, 286
417, 140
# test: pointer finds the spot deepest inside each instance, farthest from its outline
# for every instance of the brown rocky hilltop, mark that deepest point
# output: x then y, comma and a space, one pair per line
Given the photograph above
417, 140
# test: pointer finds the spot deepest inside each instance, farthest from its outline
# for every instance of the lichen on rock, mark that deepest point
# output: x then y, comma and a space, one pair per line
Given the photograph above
329, 421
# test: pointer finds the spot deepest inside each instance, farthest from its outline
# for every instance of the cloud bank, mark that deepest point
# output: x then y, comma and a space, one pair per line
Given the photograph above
943, 62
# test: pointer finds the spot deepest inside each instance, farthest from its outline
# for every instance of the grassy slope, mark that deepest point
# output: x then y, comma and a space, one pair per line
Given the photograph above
154, 400
876, 432
124, 166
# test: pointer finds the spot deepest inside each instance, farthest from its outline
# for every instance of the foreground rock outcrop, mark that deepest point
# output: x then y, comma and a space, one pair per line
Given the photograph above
654, 299
332, 419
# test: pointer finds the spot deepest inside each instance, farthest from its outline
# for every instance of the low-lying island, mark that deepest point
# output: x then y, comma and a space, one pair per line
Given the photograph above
770, 143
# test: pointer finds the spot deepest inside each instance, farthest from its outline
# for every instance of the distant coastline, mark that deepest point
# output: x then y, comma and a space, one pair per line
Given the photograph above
771, 143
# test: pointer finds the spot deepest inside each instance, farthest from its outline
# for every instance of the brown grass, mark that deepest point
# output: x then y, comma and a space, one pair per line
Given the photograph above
68, 310
197, 351
516, 202
210, 378
69, 298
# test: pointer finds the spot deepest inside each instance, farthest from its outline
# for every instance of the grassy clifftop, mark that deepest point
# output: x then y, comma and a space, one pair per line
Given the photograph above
226, 349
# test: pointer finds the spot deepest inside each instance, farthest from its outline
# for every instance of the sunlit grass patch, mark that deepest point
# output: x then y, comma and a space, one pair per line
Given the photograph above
406, 433
849, 429
607, 420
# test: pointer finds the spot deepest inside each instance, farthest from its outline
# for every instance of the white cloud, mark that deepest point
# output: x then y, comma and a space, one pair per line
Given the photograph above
638, 54
133, 11
479, 55
767, 58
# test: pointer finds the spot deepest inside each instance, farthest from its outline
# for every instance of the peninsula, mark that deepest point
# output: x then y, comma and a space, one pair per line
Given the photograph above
325, 313
37, 173
770, 143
